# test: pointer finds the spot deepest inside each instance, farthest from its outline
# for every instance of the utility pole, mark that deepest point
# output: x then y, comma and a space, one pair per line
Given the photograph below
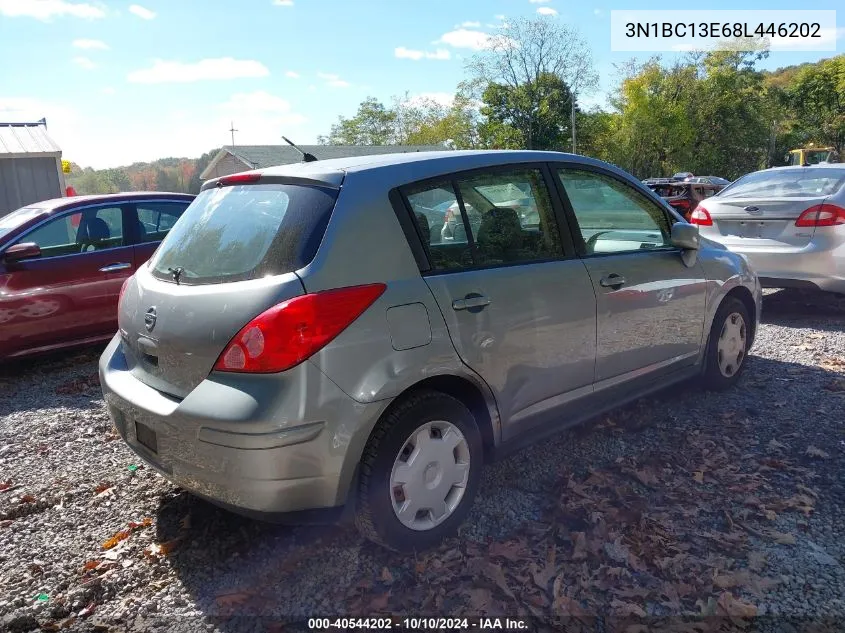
232, 130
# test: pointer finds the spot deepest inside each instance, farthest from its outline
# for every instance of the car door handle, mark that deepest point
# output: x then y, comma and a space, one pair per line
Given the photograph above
471, 302
612, 281
113, 268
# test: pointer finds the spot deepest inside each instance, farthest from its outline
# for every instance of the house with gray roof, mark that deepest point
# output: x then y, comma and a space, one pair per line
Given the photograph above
30, 165
234, 159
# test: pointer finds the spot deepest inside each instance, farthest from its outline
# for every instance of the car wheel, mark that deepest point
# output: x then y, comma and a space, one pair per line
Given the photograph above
727, 347
419, 473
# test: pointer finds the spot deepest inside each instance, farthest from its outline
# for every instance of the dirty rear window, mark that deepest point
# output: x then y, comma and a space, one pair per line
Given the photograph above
245, 232
786, 183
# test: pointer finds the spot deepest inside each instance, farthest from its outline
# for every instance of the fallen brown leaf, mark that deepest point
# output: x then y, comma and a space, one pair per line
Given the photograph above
511, 550
579, 542
626, 609
386, 576
117, 538
379, 603
232, 599
5, 485
101, 488
27, 499
88, 610
698, 476
813, 451
91, 564
783, 538
734, 607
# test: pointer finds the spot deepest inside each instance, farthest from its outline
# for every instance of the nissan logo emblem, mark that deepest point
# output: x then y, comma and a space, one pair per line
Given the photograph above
150, 318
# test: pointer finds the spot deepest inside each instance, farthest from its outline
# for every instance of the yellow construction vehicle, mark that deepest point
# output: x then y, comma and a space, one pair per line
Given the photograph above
811, 156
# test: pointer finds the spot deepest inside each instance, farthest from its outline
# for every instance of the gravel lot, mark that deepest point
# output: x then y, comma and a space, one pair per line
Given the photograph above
687, 503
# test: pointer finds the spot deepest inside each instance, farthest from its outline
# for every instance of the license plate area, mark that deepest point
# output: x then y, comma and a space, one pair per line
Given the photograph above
146, 437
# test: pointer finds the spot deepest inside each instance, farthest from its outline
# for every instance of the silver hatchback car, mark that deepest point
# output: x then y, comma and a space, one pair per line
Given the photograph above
303, 339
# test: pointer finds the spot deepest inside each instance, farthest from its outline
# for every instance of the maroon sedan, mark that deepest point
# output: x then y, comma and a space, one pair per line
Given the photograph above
63, 262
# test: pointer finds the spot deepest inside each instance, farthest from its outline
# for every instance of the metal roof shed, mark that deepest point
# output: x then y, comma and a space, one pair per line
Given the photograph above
30, 165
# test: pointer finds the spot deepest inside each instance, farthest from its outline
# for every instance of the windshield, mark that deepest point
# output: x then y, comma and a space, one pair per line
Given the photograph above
786, 183
10, 222
245, 232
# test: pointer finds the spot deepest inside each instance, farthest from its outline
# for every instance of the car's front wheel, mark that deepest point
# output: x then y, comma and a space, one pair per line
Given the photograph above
727, 347
419, 472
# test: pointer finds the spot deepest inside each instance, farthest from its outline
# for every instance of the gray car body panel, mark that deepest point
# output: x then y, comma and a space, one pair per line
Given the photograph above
552, 348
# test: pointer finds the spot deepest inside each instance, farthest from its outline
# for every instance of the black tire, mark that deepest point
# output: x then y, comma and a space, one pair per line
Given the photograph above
714, 378
374, 513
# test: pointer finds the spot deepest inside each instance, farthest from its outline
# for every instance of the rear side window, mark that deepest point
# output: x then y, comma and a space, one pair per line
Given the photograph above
244, 232
155, 219
486, 219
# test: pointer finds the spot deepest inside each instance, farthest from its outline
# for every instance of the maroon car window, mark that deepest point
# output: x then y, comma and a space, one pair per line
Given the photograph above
89, 230
155, 219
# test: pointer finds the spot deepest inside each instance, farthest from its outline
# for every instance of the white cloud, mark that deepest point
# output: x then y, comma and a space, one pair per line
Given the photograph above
90, 45
283, 3
538, 1
465, 38
219, 69
598, 13
546, 11
334, 81
142, 12
108, 90
407, 53
292, 74
469, 25
84, 62
48, 9
260, 118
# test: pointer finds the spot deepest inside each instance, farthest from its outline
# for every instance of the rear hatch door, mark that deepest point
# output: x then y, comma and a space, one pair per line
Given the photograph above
762, 207
230, 257
755, 219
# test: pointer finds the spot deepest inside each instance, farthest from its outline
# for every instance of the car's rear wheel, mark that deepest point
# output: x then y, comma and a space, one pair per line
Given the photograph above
419, 472
727, 348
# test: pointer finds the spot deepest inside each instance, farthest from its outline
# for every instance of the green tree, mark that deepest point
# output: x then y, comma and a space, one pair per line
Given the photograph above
373, 124
533, 115
817, 95
528, 77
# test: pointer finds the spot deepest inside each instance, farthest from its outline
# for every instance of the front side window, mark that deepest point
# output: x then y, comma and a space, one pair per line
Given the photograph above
80, 232
613, 217
487, 219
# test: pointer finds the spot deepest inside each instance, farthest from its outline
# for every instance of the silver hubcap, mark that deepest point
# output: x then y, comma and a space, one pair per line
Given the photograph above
731, 346
430, 475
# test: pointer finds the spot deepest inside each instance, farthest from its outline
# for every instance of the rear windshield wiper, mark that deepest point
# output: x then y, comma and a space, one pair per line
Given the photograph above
176, 273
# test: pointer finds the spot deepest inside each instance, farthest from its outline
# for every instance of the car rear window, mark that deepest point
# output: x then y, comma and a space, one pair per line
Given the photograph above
786, 183
244, 232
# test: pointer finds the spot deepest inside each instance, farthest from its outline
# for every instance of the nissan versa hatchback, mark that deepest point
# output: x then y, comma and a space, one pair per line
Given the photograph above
304, 339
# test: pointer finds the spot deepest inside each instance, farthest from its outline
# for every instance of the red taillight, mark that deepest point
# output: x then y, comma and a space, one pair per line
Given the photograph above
822, 215
701, 217
292, 331
240, 179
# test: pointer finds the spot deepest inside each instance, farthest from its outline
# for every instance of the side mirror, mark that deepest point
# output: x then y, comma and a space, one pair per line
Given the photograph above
18, 252
685, 236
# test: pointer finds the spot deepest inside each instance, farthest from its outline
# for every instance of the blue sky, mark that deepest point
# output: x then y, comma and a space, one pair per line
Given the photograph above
120, 82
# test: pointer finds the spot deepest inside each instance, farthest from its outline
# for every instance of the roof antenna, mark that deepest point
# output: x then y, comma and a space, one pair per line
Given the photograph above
306, 157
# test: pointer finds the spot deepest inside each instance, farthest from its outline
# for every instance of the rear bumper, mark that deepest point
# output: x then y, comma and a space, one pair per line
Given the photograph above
255, 444
811, 266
